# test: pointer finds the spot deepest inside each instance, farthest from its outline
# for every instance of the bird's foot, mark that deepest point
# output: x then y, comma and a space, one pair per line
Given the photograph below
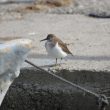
58, 64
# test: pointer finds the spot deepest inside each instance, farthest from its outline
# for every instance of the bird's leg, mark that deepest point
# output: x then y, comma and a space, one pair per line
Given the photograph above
1, 91
61, 60
56, 61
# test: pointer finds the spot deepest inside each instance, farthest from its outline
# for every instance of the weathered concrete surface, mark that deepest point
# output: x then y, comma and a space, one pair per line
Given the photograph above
35, 90
91, 38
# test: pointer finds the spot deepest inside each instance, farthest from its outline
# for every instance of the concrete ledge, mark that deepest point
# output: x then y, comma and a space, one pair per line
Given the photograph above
35, 90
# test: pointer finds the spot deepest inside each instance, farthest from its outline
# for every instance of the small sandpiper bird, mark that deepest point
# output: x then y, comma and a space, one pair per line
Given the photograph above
55, 47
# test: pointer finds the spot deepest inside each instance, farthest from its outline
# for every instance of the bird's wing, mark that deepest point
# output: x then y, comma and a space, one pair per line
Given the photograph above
64, 46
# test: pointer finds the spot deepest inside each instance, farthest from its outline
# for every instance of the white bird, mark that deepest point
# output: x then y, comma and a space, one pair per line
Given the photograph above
12, 55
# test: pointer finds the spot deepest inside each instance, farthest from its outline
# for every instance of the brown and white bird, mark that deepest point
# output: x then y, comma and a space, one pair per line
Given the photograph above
55, 47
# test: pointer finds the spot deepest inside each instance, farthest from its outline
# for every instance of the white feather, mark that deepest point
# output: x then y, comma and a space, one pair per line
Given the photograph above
55, 51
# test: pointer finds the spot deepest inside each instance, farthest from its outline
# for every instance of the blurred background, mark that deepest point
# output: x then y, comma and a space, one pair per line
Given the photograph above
97, 8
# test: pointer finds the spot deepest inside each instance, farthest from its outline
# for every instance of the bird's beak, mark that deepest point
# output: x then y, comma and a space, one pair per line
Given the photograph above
43, 39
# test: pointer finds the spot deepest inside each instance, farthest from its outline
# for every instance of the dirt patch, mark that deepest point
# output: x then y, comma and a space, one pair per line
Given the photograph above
37, 8
44, 5
56, 3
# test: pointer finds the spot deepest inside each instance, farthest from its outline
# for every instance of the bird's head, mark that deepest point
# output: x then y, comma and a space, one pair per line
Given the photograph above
49, 37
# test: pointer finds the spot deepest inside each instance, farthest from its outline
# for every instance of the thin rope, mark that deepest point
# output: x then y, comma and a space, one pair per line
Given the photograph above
66, 81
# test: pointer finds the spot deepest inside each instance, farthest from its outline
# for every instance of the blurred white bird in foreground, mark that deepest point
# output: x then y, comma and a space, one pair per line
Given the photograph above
12, 55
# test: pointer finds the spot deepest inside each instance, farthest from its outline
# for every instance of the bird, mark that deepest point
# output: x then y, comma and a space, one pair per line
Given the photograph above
56, 47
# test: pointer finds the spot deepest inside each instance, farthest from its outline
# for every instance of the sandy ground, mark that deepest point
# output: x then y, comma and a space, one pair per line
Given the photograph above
89, 37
